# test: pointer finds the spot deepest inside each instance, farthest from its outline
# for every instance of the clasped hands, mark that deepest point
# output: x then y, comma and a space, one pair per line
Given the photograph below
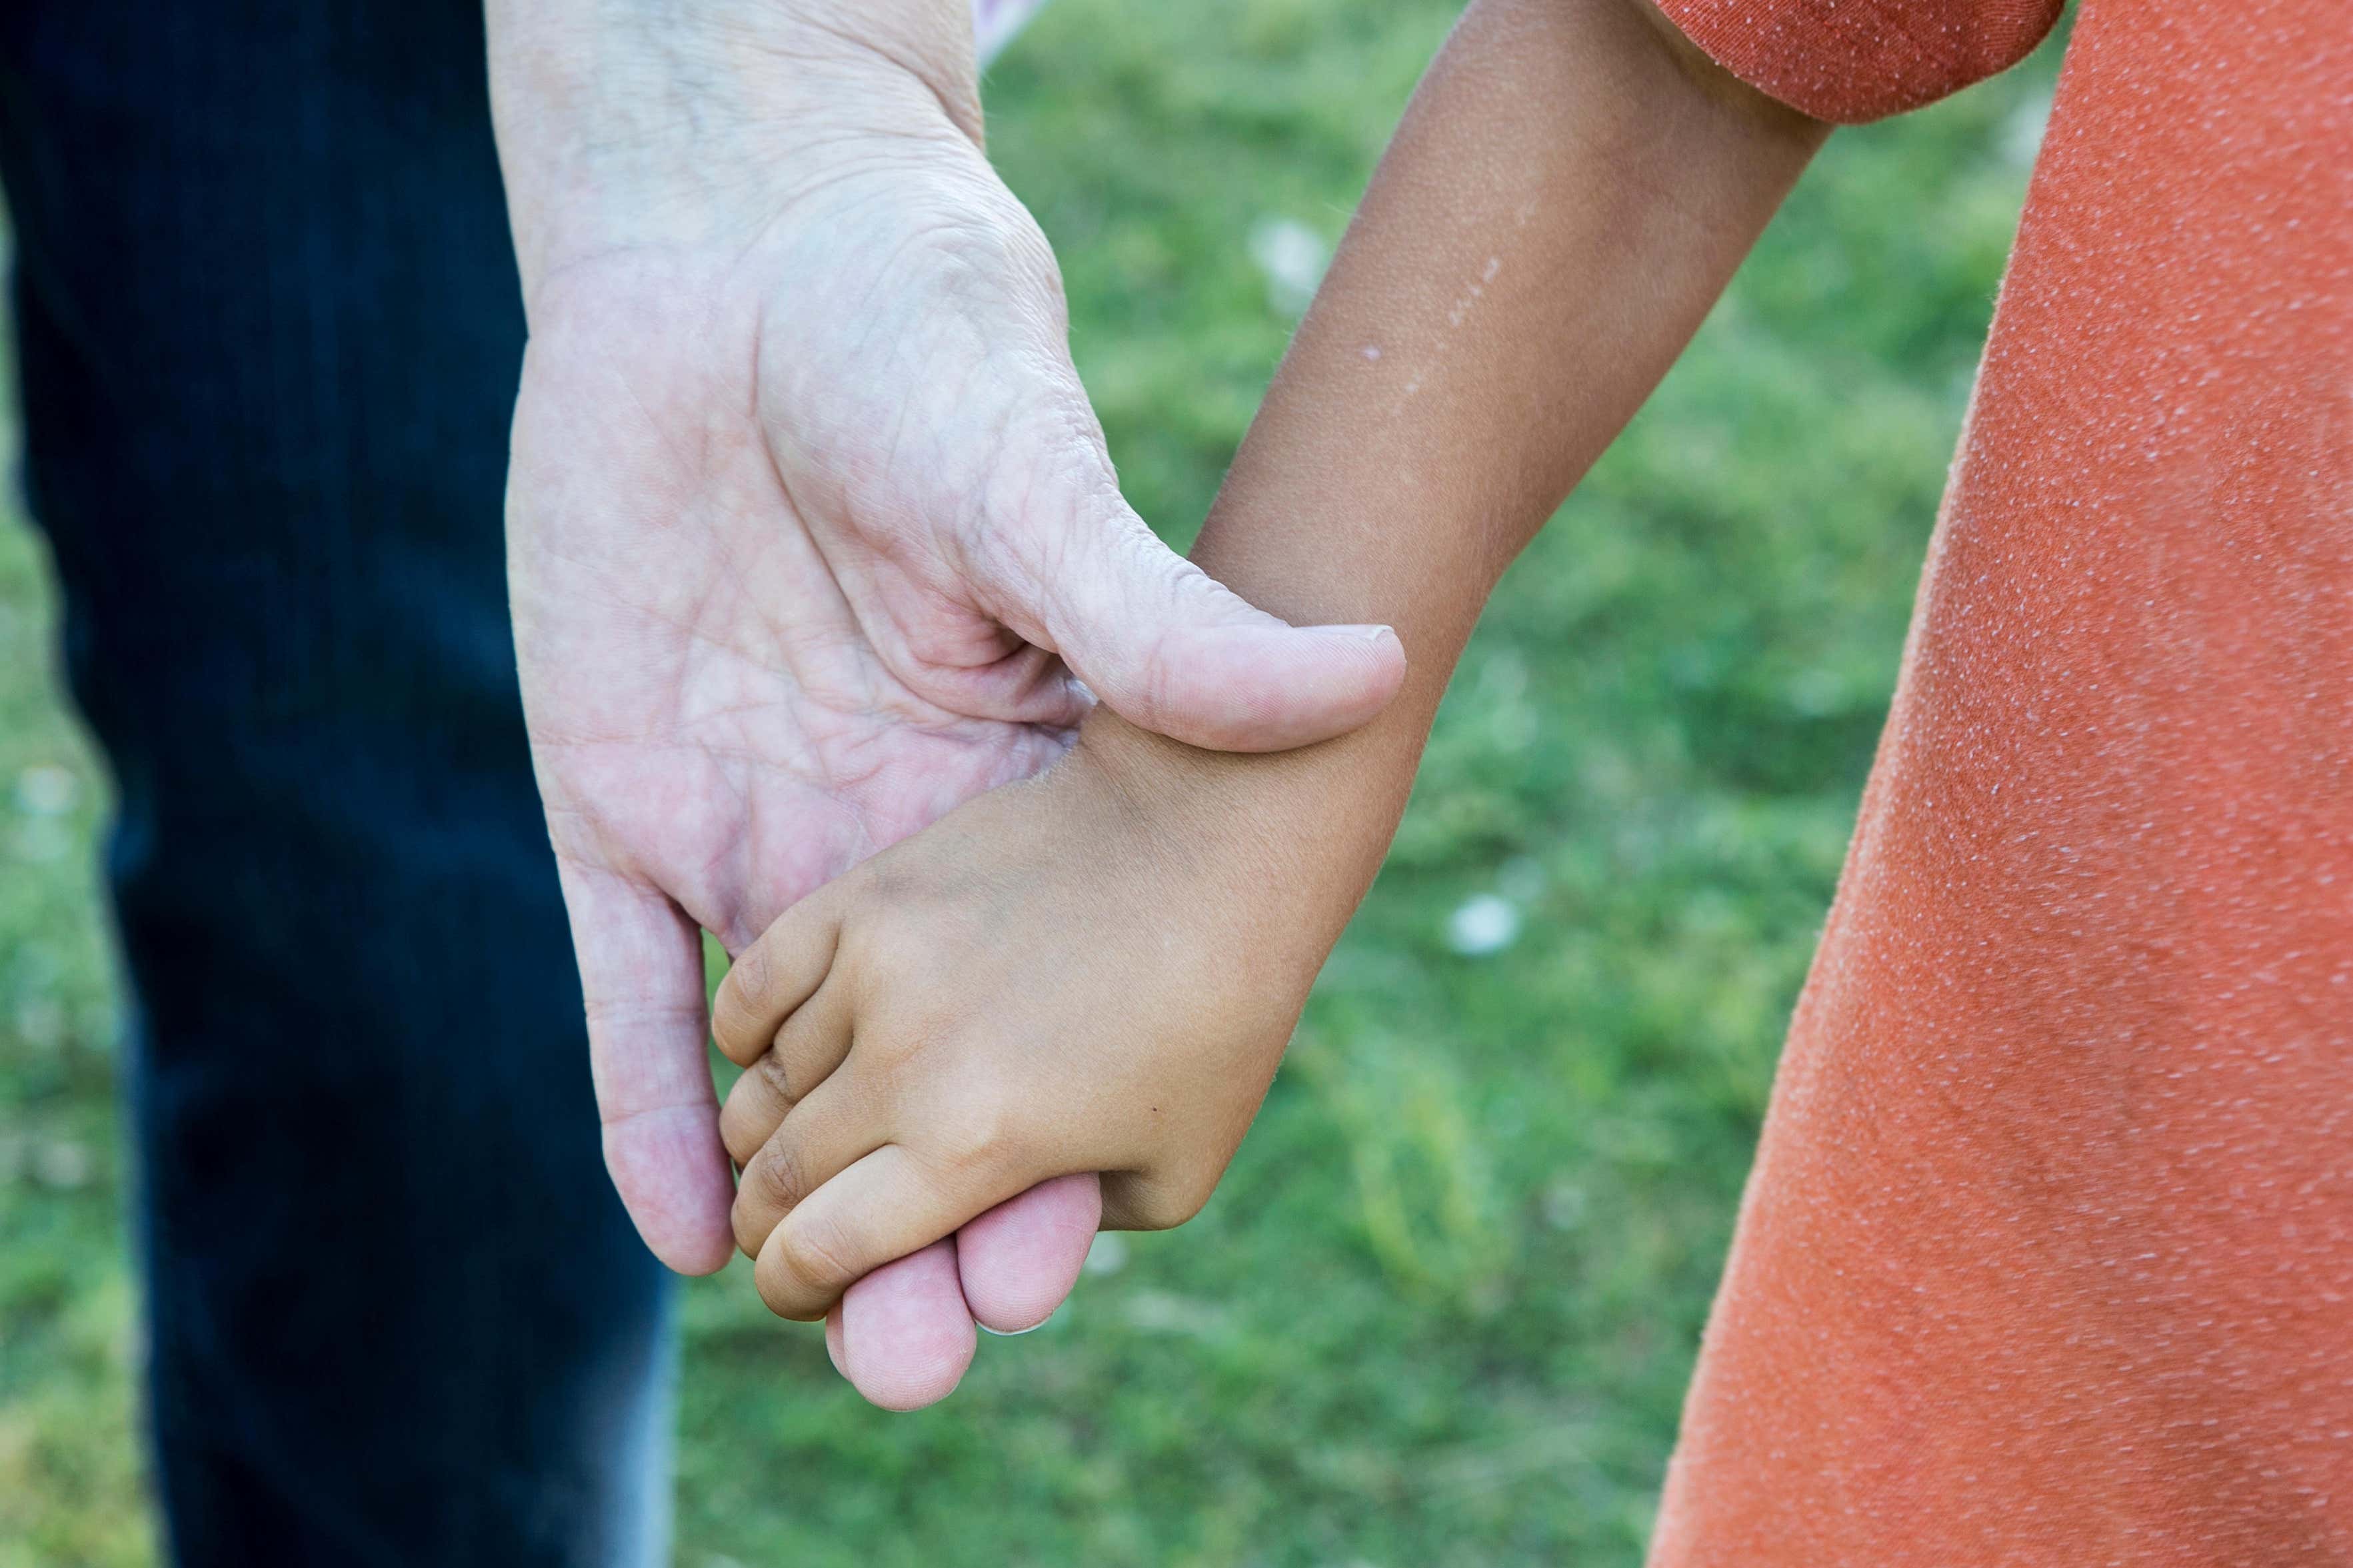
814, 547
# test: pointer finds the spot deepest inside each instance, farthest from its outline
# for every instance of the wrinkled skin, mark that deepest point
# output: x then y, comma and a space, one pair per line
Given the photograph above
809, 524
1057, 976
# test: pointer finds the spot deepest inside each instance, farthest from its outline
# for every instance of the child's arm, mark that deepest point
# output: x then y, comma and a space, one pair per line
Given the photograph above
1098, 971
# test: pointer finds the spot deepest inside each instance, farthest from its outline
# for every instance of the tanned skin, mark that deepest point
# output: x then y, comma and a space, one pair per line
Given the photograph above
1097, 970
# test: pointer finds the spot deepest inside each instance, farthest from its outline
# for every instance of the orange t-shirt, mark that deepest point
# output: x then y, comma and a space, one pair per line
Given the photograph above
2048, 1253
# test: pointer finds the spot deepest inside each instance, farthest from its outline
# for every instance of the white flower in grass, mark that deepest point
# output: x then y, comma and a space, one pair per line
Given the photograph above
2020, 135
1292, 256
1482, 924
45, 789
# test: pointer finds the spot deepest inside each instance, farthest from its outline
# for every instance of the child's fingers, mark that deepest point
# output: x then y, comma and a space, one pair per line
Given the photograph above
888, 1204
832, 1128
809, 1048
772, 977
1141, 1200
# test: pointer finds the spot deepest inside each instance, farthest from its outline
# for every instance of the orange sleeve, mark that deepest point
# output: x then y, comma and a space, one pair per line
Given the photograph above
1852, 60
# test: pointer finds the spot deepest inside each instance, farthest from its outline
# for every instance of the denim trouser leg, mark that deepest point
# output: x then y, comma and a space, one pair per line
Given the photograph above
270, 332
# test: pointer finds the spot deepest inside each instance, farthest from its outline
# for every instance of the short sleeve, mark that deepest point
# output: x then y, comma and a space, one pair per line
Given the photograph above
1852, 60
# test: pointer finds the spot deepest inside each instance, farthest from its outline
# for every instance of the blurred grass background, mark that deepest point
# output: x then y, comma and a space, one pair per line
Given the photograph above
1442, 1311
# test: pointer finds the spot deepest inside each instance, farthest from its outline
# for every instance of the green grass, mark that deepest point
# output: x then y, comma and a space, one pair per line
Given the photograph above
1443, 1309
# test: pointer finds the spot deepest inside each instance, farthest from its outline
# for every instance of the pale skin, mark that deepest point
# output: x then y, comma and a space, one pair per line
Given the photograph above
809, 526
1097, 970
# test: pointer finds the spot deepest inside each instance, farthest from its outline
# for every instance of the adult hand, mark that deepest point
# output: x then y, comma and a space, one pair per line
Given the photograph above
809, 526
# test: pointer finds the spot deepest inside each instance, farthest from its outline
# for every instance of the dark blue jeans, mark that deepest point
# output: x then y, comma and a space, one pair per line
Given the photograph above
268, 329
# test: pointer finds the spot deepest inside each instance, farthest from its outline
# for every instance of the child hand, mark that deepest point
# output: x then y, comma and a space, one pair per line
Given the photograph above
1068, 974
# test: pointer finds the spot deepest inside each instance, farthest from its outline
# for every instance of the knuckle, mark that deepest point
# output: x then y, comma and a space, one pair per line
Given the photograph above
755, 1107
800, 1044
869, 952
990, 1131
903, 1047
868, 936
1165, 1205
736, 1131
810, 1266
772, 1082
751, 1225
1155, 689
1160, 1212
752, 974
780, 1291
745, 1122
780, 1176
739, 1009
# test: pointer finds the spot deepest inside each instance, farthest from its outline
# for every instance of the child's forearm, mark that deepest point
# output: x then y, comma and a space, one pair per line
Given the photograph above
1567, 194
1097, 970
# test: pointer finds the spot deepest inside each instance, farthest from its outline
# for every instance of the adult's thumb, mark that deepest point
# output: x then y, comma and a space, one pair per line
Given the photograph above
1170, 649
